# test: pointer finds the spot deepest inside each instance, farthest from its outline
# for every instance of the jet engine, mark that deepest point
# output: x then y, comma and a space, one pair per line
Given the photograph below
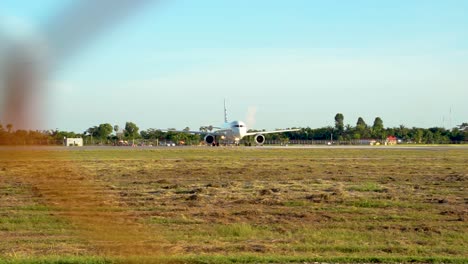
259, 139
210, 139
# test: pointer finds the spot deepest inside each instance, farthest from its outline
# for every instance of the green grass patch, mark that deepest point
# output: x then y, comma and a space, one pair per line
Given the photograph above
59, 260
378, 203
34, 207
245, 258
30, 222
231, 259
173, 221
238, 230
367, 187
371, 204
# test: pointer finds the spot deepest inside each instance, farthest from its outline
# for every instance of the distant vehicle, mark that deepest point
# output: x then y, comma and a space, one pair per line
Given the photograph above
122, 143
167, 144
231, 132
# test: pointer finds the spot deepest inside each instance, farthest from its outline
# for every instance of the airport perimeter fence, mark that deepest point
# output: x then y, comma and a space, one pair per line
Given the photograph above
347, 142
325, 142
155, 142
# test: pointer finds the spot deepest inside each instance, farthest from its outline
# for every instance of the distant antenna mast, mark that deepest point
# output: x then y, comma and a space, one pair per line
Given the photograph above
225, 112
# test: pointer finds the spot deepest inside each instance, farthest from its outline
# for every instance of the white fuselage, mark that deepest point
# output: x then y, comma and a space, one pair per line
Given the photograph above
235, 130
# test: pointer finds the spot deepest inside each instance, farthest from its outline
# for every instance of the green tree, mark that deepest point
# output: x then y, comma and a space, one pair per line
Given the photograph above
131, 130
179, 137
356, 135
349, 132
378, 128
458, 135
339, 125
378, 124
440, 135
428, 137
362, 130
104, 130
418, 135
402, 132
116, 129
361, 124
93, 131
63, 134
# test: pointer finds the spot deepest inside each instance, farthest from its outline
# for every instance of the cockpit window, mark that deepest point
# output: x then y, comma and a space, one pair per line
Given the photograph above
238, 125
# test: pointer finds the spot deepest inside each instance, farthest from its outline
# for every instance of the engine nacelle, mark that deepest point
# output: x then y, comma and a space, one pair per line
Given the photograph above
209, 139
259, 139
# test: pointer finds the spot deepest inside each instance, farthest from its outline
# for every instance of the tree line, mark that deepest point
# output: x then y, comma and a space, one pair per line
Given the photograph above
377, 131
101, 134
112, 134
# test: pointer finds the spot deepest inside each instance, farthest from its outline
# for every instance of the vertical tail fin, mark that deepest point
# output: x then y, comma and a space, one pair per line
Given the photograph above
225, 112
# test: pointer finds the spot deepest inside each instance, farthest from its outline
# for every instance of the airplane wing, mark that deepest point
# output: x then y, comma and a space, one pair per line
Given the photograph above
271, 132
216, 133
184, 131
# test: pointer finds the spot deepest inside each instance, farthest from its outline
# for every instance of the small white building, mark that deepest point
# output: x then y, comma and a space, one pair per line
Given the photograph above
73, 142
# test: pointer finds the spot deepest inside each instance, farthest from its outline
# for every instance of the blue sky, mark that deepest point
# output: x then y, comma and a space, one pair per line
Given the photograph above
278, 63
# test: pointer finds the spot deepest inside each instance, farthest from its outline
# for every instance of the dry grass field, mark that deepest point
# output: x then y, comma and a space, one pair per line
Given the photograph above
226, 205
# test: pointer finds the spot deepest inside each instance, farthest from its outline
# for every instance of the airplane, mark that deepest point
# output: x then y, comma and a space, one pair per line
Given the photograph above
231, 132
